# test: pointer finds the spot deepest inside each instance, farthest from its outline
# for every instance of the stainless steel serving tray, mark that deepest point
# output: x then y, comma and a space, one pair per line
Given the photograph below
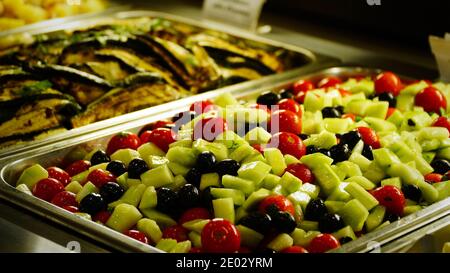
318, 61
11, 166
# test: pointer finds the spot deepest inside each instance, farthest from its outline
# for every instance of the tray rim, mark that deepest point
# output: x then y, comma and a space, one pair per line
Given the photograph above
318, 61
364, 244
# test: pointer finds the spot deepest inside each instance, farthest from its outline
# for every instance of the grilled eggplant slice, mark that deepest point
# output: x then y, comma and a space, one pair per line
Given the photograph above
143, 90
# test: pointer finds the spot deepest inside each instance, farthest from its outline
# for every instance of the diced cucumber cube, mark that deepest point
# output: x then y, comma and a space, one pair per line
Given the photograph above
182, 247
281, 242
246, 186
87, 189
362, 181
196, 225
195, 238
224, 208
270, 181
303, 238
241, 152
254, 171
334, 206
237, 195
124, 217
290, 182
443, 188
393, 181
225, 99
166, 244
309, 225
255, 198
178, 169
156, 161
300, 198
209, 179
24, 188
354, 214
31, 175
375, 218
407, 174
257, 136
126, 155
374, 172
219, 150
157, 177
182, 155
132, 196
324, 140
326, 178
149, 198
249, 237
345, 232
230, 139
362, 195
311, 189
360, 160
289, 159
339, 194
160, 218
150, 228
429, 193
316, 160
275, 159
74, 187
411, 209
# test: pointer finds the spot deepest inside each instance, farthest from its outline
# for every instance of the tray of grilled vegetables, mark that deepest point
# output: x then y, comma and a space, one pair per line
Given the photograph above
91, 71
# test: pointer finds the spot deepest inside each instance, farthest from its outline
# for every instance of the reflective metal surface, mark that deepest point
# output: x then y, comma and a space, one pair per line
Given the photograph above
54, 154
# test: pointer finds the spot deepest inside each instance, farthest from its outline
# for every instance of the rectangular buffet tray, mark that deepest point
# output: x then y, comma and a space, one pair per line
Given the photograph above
317, 61
58, 152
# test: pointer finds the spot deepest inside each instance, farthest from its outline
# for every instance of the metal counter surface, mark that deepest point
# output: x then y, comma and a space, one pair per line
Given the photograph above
16, 224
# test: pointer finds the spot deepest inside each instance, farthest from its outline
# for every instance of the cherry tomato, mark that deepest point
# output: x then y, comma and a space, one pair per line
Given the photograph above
390, 111
195, 250
291, 105
431, 100
388, 82
323, 243
59, 174
281, 202
124, 140
193, 214
72, 209
390, 197
369, 137
210, 128
100, 177
155, 125
350, 116
301, 171
102, 216
302, 86
330, 81
220, 236
442, 122
137, 235
244, 249
47, 188
344, 93
65, 198
286, 121
433, 178
203, 106
145, 136
162, 137
176, 232
288, 143
294, 249
78, 166
259, 148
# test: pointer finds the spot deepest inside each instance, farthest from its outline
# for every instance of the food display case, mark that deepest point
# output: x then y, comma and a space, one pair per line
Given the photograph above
193, 61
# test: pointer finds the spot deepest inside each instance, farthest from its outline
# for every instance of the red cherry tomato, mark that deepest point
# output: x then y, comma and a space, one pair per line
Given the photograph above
390, 111
350, 116
433, 178
244, 249
176, 232
193, 214
102, 216
291, 105
259, 148
162, 137
124, 140
47, 188
220, 236
323, 243
301, 171
344, 93
78, 166
65, 198
71, 209
155, 125
59, 174
369, 137
388, 82
302, 86
294, 249
195, 250
288, 143
281, 202
390, 197
286, 121
145, 137
203, 106
442, 122
100, 177
137, 235
260, 106
330, 81
210, 128
431, 100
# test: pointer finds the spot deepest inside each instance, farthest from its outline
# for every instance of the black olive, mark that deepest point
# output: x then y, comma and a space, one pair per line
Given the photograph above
311, 149
390, 217
330, 112
350, 138
111, 192
389, 97
184, 117
367, 152
136, 167
188, 196
206, 197
116, 167
330, 223
345, 240
340, 152
227, 166
167, 201
412, 192
440, 166
315, 210
194, 176
303, 136
283, 221
325, 152
92, 203
287, 94
340, 109
206, 162
99, 157
257, 221
411, 122
268, 98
